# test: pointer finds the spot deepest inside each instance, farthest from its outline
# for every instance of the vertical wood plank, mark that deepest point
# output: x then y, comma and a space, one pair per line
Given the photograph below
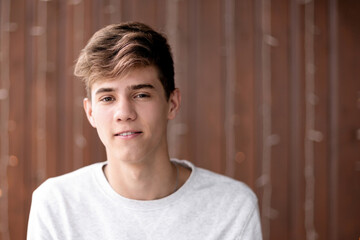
244, 118
321, 157
280, 127
17, 188
295, 119
209, 89
176, 25
61, 89
333, 121
349, 120
67, 96
145, 11
192, 66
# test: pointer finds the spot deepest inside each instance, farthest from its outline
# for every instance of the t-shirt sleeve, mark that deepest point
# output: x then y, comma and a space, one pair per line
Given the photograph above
252, 229
36, 225
42, 217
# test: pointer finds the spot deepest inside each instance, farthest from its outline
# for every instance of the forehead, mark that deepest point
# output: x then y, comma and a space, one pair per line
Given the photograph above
144, 75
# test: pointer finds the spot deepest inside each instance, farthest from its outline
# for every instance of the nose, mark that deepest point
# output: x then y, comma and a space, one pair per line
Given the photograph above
124, 111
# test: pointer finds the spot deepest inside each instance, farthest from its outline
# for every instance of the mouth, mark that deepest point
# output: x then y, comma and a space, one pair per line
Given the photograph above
128, 134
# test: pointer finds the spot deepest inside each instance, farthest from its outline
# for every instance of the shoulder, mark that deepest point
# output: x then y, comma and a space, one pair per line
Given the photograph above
219, 188
216, 197
224, 186
69, 182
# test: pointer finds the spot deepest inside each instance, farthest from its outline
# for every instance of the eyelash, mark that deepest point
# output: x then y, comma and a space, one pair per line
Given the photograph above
139, 95
142, 95
106, 99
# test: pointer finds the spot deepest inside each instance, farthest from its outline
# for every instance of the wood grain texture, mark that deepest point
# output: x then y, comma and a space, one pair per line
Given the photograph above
221, 53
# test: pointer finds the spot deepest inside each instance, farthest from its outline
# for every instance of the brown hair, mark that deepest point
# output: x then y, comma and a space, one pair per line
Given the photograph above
118, 48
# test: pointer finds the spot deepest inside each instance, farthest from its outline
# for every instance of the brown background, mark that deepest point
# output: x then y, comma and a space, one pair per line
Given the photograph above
271, 96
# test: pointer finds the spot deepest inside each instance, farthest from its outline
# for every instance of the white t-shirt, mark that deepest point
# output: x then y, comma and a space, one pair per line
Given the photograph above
82, 205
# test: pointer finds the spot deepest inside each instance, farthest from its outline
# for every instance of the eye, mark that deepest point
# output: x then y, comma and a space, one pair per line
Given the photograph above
142, 95
107, 99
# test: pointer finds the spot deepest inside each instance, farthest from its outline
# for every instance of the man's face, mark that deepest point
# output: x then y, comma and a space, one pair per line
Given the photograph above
131, 114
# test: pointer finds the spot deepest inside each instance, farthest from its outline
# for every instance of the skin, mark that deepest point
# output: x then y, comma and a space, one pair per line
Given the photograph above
131, 114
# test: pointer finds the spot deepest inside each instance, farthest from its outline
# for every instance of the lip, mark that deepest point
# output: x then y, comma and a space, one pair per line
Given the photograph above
127, 134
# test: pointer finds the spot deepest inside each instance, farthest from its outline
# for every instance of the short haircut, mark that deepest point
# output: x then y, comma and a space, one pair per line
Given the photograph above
119, 48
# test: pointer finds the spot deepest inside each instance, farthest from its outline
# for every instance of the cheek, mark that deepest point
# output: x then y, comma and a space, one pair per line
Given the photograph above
102, 127
101, 119
154, 114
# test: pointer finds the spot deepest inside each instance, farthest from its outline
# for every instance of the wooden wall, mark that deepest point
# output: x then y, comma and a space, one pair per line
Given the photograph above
271, 96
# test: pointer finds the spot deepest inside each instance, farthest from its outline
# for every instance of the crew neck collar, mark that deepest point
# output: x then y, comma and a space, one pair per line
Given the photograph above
144, 204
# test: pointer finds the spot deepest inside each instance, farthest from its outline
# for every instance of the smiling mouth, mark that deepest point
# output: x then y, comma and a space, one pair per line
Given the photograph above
126, 134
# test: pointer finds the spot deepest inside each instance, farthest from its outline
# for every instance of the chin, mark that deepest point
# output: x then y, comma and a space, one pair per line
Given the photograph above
128, 157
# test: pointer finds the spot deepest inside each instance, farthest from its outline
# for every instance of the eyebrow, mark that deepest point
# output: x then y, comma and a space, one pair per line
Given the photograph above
141, 86
103, 90
132, 87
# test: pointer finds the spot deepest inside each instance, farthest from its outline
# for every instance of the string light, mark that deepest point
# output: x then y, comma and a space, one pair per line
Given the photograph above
41, 91
267, 138
115, 15
4, 116
230, 69
310, 134
78, 135
172, 24
176, 128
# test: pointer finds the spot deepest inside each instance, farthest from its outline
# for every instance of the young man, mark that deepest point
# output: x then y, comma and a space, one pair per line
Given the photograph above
139, 192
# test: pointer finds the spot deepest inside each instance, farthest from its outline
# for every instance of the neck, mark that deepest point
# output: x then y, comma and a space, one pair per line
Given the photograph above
148, 180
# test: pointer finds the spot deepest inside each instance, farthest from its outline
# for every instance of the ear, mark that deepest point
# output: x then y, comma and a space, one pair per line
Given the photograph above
174, 103
88, 111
